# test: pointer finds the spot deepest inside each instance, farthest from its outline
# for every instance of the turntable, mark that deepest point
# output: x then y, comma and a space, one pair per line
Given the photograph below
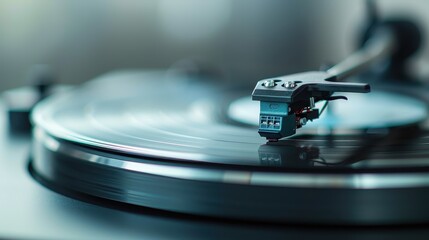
152, 146
149, 139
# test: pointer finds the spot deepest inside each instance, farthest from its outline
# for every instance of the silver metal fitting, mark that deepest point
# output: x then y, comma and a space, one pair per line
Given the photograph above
269, 83
290, 84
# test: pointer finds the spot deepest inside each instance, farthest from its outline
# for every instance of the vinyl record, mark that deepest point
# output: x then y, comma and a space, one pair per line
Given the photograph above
174, 143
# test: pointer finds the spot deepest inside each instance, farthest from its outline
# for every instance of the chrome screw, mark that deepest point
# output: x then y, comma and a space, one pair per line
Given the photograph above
290, 84
269, 83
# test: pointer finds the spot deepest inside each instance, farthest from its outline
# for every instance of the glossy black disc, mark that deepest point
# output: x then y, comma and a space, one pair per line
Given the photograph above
148, 140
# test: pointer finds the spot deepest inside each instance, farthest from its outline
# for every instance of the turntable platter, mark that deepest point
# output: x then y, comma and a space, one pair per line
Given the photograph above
118, 139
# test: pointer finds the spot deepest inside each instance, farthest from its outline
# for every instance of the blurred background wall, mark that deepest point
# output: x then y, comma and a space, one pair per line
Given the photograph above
243, 40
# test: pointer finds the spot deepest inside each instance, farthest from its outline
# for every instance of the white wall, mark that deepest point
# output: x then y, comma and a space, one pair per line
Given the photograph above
244, 39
